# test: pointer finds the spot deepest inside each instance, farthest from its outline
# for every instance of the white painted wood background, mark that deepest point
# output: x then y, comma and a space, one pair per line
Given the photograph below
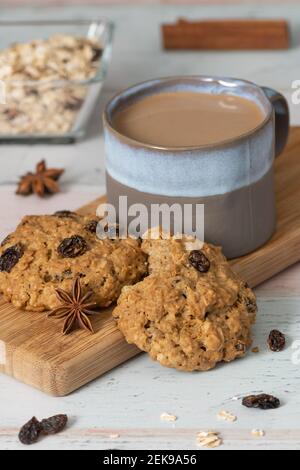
129, 400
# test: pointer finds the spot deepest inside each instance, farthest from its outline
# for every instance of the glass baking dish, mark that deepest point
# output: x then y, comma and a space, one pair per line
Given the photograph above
35, 110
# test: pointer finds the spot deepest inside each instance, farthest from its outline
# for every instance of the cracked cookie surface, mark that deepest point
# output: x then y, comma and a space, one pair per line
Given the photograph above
183, 317
46, 252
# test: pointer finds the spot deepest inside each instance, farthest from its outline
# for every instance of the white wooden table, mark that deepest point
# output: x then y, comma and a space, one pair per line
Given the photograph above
128, 401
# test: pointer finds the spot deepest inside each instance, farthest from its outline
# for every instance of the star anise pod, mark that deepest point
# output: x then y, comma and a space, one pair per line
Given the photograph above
42, 182
75, 308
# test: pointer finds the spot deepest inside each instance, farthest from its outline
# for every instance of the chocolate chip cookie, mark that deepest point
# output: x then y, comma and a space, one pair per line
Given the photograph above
47, 252
192, 311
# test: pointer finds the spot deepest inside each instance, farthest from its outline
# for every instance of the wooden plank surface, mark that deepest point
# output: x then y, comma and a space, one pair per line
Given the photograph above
224, 34
37, 354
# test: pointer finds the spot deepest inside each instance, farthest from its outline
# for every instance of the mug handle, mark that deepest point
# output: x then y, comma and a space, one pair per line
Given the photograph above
282, 118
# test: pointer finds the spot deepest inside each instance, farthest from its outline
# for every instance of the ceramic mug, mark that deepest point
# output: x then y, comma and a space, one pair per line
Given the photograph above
233, 179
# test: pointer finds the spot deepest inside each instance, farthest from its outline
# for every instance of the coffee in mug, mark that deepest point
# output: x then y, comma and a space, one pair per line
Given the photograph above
188, 119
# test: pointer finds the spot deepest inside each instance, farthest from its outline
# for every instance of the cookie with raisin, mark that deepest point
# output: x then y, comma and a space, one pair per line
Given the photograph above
48, 252
192, 312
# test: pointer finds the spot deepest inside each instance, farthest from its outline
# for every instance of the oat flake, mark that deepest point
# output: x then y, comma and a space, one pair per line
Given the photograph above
168, 417
226, 416
258, 433
208, 439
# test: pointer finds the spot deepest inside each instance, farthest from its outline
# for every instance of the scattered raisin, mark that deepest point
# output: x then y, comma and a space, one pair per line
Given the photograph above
65, 214
72, 247
10, 258
263, 401
199, 261
92, 226
54, 424
276, 341
30, 432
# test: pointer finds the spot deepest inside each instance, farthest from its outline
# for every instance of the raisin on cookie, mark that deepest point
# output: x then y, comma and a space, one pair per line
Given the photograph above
47, 252
192, 312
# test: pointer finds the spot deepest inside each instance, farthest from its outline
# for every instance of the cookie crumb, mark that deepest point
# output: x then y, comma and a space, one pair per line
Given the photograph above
226, 416
114, 436
208, 439
258, 433
255, 350
168, 417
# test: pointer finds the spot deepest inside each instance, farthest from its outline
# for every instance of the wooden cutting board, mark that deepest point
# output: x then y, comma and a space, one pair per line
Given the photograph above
33, 350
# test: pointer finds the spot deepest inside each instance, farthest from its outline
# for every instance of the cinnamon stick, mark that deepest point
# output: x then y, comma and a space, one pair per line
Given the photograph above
227, 34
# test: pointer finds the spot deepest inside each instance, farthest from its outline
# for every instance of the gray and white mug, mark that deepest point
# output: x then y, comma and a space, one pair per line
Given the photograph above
233, 179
